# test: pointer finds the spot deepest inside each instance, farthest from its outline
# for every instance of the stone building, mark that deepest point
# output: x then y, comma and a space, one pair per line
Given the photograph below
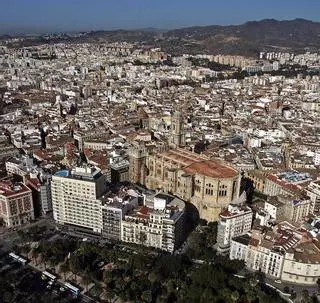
209, 184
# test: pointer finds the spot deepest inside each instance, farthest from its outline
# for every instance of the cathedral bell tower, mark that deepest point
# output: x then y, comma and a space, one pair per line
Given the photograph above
137, 158
177, 136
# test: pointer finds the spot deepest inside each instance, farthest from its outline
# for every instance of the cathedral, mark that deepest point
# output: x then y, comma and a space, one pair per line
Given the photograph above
208, 184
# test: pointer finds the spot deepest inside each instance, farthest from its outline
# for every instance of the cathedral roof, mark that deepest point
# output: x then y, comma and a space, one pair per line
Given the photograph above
211, 168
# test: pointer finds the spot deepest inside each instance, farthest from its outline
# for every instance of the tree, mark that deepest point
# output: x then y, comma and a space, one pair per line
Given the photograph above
202, 222
146, 296
305, 295
75, 265
34, 255
86, 279
235, 296
143, 238
42, 260
152, 277
64, 268
293, 295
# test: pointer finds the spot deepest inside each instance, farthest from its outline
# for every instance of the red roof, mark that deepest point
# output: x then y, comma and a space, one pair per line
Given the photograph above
211, 168
8, 189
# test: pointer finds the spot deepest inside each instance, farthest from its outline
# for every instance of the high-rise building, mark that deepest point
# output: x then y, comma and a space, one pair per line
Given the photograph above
16, 206
234, 221
75, 198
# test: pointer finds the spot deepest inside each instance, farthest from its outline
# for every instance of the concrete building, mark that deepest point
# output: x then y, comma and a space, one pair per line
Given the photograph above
75, 198
16, 206
119, 170
292, 209
234, 221
313, 192
316, 158
45, 195
265, 251
302, 264
113, 213
161, 226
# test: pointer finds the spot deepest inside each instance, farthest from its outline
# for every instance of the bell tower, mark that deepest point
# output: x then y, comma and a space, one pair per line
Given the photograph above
177, 128
137, 158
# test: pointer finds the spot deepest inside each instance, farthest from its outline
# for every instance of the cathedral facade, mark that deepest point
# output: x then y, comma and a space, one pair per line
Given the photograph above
208, 184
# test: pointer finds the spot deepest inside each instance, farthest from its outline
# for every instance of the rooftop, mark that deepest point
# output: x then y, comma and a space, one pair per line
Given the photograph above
9, 189
211, 168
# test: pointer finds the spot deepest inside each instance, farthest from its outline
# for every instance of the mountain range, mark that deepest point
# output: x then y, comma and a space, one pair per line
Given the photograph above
246, 39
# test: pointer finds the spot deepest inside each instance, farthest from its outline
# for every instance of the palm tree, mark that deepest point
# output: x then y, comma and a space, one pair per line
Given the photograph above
235, 296
86, 279
64, 268
42, 260
34, 255
74, 266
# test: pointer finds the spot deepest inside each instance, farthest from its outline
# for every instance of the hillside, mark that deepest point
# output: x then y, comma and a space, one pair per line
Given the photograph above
246, 39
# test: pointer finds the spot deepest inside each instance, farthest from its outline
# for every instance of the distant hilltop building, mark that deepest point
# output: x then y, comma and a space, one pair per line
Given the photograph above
208, 184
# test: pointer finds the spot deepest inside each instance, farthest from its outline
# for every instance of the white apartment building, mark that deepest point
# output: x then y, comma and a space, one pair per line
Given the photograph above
293, 209
258, 254
283, 253
234, 221
313, 192
161, 226
75, 198
316, 158
302, 264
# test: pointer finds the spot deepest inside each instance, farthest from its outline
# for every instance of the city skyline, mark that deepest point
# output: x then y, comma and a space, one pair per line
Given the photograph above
36, 16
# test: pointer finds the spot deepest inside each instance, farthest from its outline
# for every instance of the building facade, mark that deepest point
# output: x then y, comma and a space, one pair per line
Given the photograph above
75, 198
313, 192
209, 184
302, 264
161, 227
113, 213
234, 221
16, 205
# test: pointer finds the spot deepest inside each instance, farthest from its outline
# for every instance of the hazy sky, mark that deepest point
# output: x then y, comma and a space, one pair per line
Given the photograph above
47, 15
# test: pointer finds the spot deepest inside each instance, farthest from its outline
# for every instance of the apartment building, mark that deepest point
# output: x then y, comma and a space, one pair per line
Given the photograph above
293, 209
234, 221
16, 205
161, 226
302, 264
313, 192
113, 213
283, 253
76, 198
